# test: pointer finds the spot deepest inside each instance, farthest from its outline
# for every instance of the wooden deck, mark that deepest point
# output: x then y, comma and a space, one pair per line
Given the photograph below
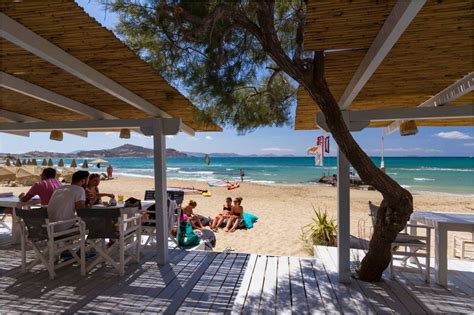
202, 282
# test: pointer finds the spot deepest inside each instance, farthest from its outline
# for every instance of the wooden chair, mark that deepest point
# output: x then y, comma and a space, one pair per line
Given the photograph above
48, 244
462, 241
3, 216
408, 246
112, 224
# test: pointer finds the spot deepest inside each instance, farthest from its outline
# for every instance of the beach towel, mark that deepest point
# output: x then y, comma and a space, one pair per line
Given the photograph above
249, 219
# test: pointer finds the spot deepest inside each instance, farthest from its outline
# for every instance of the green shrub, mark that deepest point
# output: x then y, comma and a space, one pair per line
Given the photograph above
321, 231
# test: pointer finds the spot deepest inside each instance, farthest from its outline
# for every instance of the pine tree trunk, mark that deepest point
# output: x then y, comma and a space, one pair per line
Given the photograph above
397, 204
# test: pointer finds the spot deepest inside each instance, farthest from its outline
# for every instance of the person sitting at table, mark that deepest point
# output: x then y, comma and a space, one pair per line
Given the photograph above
44, 188
66, 199
92, 190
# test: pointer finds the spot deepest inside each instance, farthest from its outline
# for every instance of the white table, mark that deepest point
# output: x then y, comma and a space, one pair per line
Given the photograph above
443, 222
14, 202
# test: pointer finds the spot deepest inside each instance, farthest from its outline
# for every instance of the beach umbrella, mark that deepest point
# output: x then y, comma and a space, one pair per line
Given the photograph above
26, 176
33, 162
100, 161
8, 163
24, 162
61, 163
73, 163
66, 174
44, 163
7, 173
18, 162
28, 162
85, 165
50, 162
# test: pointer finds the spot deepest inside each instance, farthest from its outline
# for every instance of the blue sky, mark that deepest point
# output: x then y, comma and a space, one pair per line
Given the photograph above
457, 141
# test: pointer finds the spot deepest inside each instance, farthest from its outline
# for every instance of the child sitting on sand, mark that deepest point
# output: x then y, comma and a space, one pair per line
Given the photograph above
235, 215
189, 215
225, 214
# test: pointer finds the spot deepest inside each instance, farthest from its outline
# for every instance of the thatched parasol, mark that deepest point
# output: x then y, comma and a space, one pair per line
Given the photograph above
50, 162
18, 162
33, 162
85, 165
61, 163
8, 163
7, 173
73, 163
44, 163
27, 176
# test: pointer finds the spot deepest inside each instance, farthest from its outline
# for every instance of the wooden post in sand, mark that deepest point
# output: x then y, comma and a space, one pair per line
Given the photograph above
159, 154
343, 218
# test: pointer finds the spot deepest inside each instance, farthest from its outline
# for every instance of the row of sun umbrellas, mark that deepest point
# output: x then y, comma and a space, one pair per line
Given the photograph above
49, 162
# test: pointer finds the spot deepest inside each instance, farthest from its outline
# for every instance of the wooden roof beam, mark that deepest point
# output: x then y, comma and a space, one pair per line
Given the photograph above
24, 87
449, 94
400, 17
358, 120
39, 46
170, 126
19, 118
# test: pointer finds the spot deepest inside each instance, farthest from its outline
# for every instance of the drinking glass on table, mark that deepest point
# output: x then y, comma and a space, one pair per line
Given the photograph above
120, 198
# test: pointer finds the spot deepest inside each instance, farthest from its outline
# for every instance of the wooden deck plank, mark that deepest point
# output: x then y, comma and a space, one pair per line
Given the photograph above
269, 290
233, 282
223, 286
299, 303
331, 302
242, 294
311, 286
254, 293
283, 289
198, 295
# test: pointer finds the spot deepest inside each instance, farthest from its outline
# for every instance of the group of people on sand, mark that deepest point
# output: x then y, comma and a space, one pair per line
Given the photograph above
230, 217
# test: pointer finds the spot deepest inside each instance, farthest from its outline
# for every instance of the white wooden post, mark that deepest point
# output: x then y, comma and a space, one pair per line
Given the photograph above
159, 149
343, 218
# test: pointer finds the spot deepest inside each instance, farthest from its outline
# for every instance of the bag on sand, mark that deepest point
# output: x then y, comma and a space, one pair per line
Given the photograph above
186, 236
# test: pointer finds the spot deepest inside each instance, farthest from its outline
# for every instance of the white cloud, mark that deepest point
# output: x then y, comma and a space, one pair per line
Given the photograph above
208, 138
456, 135
469, 144
400, 149
276, 149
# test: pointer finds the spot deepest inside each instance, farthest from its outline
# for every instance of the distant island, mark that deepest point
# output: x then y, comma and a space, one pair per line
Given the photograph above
126, 150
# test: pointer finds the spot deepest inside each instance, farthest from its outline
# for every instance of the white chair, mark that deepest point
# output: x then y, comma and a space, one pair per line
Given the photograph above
464, 243
40, 234
123, 230
3, 216
408, 246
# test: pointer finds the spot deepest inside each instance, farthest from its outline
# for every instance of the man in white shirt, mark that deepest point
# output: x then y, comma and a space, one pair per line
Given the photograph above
66, 199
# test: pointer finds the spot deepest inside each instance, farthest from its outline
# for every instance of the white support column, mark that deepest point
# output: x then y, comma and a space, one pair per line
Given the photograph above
343, 218
161, 208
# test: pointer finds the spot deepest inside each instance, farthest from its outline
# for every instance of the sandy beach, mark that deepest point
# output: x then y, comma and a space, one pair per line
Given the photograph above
282, 210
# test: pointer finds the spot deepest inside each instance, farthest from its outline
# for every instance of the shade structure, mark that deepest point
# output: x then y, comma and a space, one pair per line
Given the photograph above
27, 176
24, 162
8, 163
412, 71
61, 163
50, 162
7, 173
17, 162
44, 163
73, 163
28, 162
99, 161
128, 88
33, 162
66, 174
84, 164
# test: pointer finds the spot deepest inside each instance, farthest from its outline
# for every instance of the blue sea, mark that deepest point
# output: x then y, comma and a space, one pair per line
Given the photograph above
453, 175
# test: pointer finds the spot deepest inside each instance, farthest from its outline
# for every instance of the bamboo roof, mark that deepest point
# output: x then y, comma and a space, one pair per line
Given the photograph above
434, 52
67, 26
